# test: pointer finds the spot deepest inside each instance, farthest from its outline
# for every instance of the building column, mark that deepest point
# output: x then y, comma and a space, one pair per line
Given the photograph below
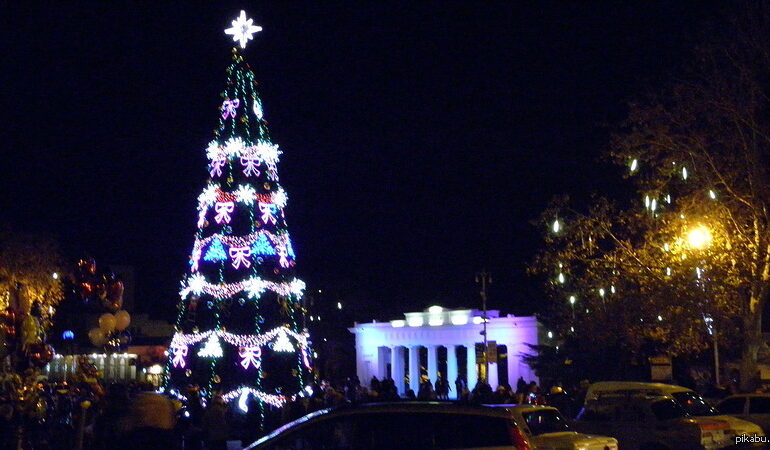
492, 376
397, 368
382, 362
513, 365
451, 370
432, 363
414, 368
473, 375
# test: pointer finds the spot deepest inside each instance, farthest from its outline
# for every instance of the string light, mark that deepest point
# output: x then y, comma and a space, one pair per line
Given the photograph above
556, 226
212, 348
282, 343
198, 285
712, 194
684, 173
239, 340
271, 399
634, 165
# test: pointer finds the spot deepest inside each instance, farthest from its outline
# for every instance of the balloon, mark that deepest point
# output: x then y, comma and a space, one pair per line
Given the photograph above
100, 290
124, 339
114, 296
86, 266
122, 320
97, 336
85, 290
40, 354
107, 323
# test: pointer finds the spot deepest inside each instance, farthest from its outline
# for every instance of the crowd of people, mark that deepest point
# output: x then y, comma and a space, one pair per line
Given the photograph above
85, 415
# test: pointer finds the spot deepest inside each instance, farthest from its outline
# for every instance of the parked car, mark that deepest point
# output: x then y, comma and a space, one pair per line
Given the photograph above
646, 422
752, 407
546, 429
406, 425
690, 400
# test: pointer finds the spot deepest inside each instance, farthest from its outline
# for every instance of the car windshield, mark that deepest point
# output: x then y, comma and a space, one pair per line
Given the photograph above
545, 421
694, 404
667, 409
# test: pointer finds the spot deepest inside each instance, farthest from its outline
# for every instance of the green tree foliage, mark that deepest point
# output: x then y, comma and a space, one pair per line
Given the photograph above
694, 246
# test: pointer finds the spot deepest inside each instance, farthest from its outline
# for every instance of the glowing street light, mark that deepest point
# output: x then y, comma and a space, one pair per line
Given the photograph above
699, 237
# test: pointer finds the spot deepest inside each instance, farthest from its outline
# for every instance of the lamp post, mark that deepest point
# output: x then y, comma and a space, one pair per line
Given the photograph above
699, 238
484, 278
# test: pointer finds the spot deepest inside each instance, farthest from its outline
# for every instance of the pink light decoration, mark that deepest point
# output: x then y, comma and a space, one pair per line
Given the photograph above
283, 254
250, 164
268, 210
196, 256
223, 210
240, 255
180, 352
216, 165
229, 107
305, 359
250, 356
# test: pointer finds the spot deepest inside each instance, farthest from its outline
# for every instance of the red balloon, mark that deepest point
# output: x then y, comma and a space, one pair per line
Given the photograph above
40, 354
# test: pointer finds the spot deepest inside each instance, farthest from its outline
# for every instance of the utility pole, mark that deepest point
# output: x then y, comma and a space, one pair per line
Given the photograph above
484, 278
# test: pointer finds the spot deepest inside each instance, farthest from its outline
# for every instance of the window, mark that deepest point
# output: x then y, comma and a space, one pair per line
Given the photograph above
732, 405
667, 409
694, 404
545, 421
334, 433
759, 405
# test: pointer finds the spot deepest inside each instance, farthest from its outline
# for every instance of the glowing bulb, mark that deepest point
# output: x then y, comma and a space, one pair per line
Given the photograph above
634, 165
550, 335
684, 173
668, 271
660, 318
612, 289
556, 226
339, 305
561, 278
712, 194
601, 292
647, 201
55, 276
572, 299
666, 247
653, 205
699, 237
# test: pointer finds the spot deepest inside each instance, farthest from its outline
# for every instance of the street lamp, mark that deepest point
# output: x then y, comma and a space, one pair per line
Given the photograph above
699, 237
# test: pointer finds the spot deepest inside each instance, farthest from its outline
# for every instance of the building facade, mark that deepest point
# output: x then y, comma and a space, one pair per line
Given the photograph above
445, 343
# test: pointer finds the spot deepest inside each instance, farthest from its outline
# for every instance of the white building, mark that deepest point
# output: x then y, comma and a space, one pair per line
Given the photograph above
442, 338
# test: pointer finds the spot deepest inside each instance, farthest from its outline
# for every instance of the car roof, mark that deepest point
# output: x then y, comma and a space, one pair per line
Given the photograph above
515, 407
394, 408
609, 386
746, 395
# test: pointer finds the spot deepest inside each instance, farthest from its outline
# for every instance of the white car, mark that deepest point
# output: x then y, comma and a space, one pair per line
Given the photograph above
689, 400
547, 429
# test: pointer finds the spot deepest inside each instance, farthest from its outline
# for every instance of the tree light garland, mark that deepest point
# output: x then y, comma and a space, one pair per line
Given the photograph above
270, 399
212, 348
237, 340
198, 285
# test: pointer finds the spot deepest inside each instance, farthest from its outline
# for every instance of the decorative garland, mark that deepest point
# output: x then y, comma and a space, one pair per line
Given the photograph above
181, 340
255, 286
271, 399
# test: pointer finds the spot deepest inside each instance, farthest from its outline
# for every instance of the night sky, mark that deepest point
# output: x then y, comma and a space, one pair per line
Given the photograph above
419, 138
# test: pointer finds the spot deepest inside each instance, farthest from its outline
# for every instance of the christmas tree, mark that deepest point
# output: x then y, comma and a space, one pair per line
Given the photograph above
238, 329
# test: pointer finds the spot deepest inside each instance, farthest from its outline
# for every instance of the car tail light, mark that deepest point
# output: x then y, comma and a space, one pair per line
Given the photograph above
519, 440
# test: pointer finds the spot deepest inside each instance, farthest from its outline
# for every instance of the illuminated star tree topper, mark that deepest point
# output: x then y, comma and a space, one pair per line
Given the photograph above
243, 29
